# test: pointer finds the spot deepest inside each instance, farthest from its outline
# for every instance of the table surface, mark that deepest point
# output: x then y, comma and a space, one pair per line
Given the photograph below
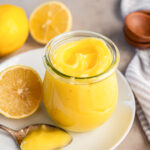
103, 17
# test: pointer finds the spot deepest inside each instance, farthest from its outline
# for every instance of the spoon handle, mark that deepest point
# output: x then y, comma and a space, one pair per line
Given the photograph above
14, 133
10, 131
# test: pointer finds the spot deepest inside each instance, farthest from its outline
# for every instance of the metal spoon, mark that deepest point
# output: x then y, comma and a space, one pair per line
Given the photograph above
19, 135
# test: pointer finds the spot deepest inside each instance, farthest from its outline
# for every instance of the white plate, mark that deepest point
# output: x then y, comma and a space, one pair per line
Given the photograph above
107, 136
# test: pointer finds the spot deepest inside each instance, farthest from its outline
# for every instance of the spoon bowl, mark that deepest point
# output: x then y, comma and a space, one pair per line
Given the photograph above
19, 135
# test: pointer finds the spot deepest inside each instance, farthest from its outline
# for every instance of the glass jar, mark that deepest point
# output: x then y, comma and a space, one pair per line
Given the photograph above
79, 103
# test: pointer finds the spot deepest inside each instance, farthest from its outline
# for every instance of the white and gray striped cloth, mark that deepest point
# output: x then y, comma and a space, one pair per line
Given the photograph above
138, 71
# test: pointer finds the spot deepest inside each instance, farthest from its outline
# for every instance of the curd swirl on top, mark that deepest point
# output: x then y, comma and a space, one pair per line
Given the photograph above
84, 58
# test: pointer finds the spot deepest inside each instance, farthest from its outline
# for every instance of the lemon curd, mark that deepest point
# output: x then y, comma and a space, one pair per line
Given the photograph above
82, 58
80, 86
45, 138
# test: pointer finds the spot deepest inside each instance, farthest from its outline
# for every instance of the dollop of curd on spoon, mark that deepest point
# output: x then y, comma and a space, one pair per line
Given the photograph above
83, 58
45, 138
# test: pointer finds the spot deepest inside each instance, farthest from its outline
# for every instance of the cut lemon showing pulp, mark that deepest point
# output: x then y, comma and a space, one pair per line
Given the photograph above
20, 91
49, 20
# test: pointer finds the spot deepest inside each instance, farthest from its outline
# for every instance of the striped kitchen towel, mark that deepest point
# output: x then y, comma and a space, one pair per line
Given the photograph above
138, 71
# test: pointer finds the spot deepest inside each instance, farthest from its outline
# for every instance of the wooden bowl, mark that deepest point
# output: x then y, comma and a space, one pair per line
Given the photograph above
138, 26
141, 46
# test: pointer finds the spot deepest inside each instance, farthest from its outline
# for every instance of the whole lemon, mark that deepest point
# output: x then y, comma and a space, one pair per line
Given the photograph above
14, 28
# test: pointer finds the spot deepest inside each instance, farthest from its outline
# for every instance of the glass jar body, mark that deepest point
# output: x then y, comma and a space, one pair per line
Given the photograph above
80, 108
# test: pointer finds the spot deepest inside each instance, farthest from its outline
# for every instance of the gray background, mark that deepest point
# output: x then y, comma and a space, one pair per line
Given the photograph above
102, 16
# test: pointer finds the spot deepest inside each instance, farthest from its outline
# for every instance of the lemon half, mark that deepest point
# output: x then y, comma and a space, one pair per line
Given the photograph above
49, 20
20, 91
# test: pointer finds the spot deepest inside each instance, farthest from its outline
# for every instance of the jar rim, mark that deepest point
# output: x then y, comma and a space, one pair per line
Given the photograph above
114, 50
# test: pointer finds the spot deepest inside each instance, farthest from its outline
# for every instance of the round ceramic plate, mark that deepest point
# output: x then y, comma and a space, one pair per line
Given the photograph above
108, 136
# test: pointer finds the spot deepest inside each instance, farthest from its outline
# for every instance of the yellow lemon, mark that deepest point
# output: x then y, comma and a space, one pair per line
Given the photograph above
49, 20
14, 28
20, 91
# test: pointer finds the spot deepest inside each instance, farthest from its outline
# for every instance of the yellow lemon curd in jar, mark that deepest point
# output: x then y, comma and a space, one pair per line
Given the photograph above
81, 107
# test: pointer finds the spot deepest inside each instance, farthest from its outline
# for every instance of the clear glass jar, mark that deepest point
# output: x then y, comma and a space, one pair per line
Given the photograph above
79, 103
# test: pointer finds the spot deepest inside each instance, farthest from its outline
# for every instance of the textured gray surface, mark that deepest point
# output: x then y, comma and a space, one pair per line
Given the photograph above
102, 16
